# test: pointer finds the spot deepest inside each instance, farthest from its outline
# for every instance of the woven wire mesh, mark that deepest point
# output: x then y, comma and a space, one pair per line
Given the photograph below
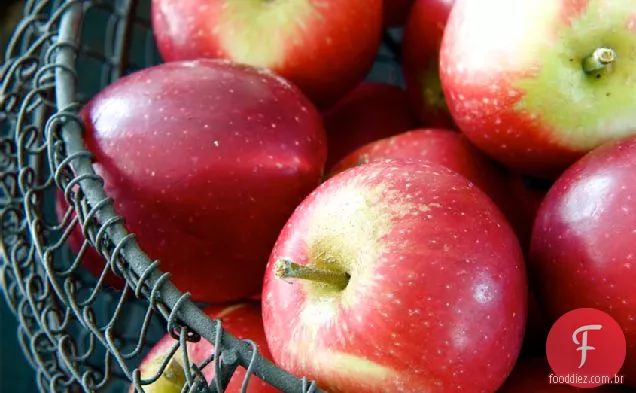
78, 333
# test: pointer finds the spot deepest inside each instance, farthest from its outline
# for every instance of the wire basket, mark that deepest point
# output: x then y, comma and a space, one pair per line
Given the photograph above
77, 333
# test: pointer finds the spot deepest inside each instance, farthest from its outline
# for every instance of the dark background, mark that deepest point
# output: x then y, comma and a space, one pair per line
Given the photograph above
16, 375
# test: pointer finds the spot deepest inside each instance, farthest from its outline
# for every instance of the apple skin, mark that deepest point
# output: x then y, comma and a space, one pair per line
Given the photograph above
371, 111
91, 259
396, 12
508, 190
325, 47
420, 61
437, 296
206, 160
532, 376
582, 250
242, 320
515, 85
454, 151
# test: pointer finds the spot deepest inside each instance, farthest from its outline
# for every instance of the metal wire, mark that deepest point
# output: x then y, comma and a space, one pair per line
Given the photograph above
77, 332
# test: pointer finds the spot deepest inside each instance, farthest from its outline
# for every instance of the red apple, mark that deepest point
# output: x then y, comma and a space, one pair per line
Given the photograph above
454, 151
420, 61
91, 260
206, 160
533, 376
406, 278
325, 47
582, 251
371, 111
396, 12
539, 83
242, 320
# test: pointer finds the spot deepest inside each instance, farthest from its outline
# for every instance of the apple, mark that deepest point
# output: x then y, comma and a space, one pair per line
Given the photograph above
371, 111
325, 47
582, 251
396, 275
242, 320
533, 376
539, 83
454, 151
396, 12
91, 260
206, 160
420, 61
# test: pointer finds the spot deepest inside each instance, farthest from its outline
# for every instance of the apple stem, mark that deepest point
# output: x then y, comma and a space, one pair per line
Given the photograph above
601, 58
286, 268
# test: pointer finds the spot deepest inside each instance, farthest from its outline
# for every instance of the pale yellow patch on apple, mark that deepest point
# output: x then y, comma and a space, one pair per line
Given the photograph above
228, 310
345, 366
431, 87
363, 367
257, 31
588, 109
335, 367
171, 380
345, 236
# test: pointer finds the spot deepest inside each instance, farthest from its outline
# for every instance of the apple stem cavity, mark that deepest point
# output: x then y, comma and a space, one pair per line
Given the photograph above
287, 269
599, 59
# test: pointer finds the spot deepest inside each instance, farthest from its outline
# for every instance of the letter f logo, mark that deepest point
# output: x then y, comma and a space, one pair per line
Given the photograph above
583, 344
